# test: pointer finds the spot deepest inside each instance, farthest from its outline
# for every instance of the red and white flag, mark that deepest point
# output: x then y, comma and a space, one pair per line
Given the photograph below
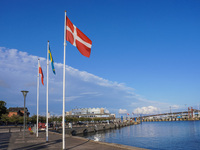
78, 38
41, 73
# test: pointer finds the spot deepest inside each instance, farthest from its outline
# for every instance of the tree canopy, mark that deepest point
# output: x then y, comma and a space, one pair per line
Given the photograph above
3, 109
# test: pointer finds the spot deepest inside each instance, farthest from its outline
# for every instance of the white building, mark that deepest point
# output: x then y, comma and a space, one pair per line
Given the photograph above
90, 113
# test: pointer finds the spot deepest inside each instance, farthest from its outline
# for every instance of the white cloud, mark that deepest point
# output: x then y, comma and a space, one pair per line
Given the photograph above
122, 111
146, 110
175, 107
83, 89
92, 93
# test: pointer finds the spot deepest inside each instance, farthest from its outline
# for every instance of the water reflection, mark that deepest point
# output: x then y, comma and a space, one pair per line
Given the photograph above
154, 135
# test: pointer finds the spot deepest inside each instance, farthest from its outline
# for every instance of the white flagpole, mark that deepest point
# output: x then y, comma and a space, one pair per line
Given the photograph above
47, 91
63, 114
37, 98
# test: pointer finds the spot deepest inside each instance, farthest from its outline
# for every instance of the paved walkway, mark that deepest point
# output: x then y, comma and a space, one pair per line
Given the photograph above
15, 141
4, 140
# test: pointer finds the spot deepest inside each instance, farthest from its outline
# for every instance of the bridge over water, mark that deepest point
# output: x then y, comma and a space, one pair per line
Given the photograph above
191, 114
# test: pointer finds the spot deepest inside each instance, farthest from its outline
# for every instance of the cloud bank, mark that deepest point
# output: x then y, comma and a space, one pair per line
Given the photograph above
146, 110
83, 89
123, 111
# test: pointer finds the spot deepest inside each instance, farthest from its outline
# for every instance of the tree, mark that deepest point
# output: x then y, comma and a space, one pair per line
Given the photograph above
14, 119
42, 119
3, 109
5, 118
53, 118
88, 119
21, 119
75, 119
82, 119
33, 119
68, 119
60, 119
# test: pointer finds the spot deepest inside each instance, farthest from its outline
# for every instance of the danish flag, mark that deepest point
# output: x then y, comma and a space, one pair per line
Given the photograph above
78, 38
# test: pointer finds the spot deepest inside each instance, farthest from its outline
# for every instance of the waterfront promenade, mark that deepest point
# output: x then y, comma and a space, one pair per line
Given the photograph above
15, 141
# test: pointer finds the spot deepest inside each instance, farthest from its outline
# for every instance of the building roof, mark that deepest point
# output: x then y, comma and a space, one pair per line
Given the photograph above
16, 109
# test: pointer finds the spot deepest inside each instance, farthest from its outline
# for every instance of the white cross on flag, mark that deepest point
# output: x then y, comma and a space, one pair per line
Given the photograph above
78, 38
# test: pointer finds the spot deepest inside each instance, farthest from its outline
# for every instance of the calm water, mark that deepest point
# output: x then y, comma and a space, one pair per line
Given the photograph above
179, 135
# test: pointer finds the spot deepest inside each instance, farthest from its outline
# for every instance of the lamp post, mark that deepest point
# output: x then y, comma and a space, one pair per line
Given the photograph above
24, 94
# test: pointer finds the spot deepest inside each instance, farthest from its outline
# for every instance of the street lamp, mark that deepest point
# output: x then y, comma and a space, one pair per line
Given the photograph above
24, 94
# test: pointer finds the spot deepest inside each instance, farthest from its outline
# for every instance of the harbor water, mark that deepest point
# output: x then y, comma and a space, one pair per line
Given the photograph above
176, 135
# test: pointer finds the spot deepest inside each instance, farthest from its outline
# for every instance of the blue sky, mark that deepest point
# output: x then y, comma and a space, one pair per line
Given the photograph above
145, 54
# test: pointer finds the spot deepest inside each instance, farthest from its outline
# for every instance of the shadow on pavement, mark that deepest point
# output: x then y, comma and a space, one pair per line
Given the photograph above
46, 145
39, 146
4, 140
78, 145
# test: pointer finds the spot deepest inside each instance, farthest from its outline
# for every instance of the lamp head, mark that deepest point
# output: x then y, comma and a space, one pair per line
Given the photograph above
24, 93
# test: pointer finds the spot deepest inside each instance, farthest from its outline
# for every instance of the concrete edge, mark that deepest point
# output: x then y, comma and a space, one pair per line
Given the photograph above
119, 145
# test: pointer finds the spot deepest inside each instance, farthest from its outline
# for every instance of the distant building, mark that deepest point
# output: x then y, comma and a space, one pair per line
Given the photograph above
90, 113
17, 111
49, 115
